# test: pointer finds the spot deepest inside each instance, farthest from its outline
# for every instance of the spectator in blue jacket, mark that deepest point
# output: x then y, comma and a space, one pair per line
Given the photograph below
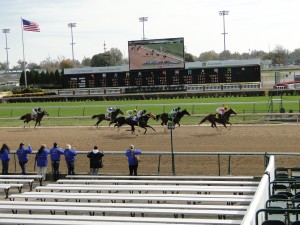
23, 157
133, 161
55, 153
4, 156
70, 159
42, 161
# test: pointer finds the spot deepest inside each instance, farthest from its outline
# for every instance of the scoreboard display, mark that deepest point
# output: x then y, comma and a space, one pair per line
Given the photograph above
209, 75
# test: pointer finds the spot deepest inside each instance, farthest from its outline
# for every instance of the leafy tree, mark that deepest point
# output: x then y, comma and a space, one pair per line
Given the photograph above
49, 64
102, 59
66, 63
33, 66
206, 56
225, 55
86, 62
116, 56
3, 66
278, 56
188, 57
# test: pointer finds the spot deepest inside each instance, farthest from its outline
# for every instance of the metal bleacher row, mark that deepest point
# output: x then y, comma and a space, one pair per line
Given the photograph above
283, 205
84, 199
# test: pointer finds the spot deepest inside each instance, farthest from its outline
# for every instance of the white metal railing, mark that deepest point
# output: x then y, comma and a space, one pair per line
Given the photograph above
261, 195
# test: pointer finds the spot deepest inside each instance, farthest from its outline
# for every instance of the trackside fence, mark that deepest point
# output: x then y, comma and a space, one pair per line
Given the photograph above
185, 163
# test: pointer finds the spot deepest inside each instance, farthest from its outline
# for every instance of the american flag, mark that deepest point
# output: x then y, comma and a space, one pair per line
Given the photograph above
30, 26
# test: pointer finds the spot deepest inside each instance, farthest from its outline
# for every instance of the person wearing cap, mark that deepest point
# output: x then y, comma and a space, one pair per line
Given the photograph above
55, 154
220, 111
4, 156
41, 159
22, 154
110, 110
70, 159
95, 157
174, 111
133, 161
36, 111
132, 114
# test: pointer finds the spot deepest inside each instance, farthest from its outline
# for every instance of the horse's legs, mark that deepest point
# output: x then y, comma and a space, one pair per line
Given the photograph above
151, 127
202, 121
229, 124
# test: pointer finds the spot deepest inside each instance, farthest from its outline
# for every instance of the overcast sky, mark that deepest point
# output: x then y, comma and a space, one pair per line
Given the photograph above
251, 25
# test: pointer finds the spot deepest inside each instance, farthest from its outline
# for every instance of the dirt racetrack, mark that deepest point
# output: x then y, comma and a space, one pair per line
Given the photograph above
270, 138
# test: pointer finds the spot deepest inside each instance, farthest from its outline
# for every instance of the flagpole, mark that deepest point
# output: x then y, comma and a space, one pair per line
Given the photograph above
24, 68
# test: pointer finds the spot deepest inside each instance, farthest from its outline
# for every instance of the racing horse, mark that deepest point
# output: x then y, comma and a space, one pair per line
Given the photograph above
141, 122
102, 117
221, 119
165, 117
28, 117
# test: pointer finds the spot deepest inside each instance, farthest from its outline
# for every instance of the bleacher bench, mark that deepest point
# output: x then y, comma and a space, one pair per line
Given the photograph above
159, 182
131, 197
112, 219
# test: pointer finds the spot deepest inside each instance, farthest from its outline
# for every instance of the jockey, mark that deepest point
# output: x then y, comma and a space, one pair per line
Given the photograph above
174, 111
132, 114
110, 110
220, 111
36, 111
141, 113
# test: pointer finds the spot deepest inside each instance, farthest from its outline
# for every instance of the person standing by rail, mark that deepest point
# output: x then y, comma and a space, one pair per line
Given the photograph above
95, 157
133, 159
55, 154
41, 159
70, 159
4, 156
22, 154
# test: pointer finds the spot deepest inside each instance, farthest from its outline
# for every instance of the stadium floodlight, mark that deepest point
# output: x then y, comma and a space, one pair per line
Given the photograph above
224, 13
71, 25
6, 31
143, 20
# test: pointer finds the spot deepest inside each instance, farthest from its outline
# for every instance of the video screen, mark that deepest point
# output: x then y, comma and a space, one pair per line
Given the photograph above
156, 54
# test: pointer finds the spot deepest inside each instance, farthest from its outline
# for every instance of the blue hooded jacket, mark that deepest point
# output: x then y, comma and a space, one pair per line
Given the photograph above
22, 153
55, 153
70, 155
42, 159
131, 156
4, 156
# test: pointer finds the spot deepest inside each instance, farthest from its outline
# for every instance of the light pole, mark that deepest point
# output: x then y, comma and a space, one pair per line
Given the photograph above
224, 13
71, 25
171, 126
143, 20
6, 31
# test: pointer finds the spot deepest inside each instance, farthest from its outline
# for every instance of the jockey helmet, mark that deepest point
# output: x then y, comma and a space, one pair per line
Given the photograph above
178, 107
134, 110
225, 107
144, 111
39, 108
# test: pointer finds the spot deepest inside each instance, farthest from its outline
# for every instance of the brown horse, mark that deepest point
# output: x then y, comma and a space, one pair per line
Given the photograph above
102, 117
142, 122
222, 120
165, 117
28, 117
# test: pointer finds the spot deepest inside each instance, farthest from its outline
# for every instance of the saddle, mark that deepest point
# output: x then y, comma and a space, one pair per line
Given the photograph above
218, 116
171, 116
33, 116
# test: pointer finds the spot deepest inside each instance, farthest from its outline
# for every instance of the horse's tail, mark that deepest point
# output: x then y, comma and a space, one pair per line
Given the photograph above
23, 117
94, 116
202, 121
157, 117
